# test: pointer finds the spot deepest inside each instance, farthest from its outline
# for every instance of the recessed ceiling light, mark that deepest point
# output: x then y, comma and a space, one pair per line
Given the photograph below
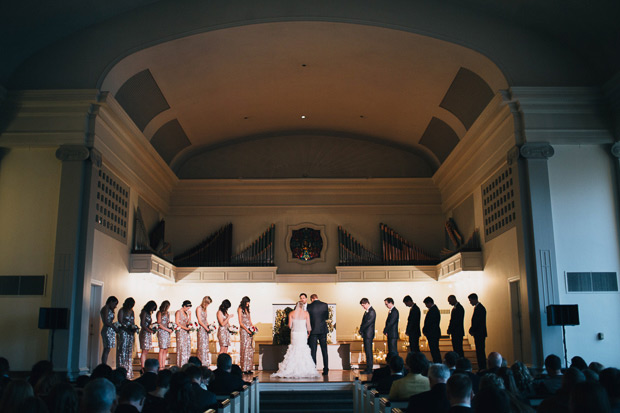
303, 65
303, 116
362, 116
246, 117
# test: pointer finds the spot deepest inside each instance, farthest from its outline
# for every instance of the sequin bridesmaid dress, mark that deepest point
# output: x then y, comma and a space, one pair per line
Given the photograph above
108, 335
203, 341
163, 337
124, 352
245, 342
183, 341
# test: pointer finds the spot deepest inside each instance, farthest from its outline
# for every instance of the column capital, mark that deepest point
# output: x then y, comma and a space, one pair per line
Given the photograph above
615, 149
513, 155
68, 153
536, 150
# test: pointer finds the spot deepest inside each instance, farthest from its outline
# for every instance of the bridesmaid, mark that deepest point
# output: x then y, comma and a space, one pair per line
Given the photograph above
223, 319
124, 353
183, 317
146, 334
245, 336
108, 331
203, 332
163, 334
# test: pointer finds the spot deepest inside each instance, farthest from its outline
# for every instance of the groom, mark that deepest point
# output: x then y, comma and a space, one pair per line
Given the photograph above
318, 316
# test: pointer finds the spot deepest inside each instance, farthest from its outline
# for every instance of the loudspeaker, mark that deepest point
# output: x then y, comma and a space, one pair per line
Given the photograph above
53, 318
563, 315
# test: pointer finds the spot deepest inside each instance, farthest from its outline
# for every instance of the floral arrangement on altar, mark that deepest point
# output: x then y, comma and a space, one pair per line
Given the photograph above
212, 328
233, 329
281, 331
331, 325
253, 330
154, 327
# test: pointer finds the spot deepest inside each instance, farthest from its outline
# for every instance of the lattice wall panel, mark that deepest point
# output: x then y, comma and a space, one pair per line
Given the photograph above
112, 205
498, 203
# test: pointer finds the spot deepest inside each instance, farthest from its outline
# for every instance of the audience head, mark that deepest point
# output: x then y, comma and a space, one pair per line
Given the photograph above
408, 301
491, 380
151, 366
164, 306
207, 375
494, 360
195, 361
429, 302
206, 300
15, 393
610, 380
438, 373
40, 369
132, 393
508, 378
82, 381
129, 303
389, 356
491, 400
553, 365
44, 385
63, 398
33, 405
244, 305
396, 364
163, 379
590, 375
180, 393
458, 389
236, 370
193, 373
118, 377
578, 363
522, 375
596, 367
99, 396
589, 397
224, 362
450, 359
225, 306
463, 364
452, 300
417, 363
473, 298
570, 379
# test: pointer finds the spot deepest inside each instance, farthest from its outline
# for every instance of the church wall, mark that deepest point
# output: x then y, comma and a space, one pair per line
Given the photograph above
29, 185
585, 224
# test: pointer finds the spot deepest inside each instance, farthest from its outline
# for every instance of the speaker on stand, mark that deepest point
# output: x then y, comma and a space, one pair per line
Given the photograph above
53, 319
563, 315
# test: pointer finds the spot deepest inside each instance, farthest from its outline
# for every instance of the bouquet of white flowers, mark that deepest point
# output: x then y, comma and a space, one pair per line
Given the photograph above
253, 330
232, 329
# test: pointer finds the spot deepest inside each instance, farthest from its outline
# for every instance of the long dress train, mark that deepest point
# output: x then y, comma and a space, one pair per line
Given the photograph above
297, 361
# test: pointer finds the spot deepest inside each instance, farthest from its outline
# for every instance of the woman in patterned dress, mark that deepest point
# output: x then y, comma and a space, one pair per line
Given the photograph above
146, 334
245, 336
124, 351
223, 319
183, 317
163, 334
203, 332
108, 331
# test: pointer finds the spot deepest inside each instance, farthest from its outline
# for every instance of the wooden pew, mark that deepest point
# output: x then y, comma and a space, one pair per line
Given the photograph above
357, 393
224, 407
235, 402
244, 396
374, 405
255, 396
384, 405
397, 410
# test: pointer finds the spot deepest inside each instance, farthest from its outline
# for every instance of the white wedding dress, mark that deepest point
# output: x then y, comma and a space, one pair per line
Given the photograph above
298, 362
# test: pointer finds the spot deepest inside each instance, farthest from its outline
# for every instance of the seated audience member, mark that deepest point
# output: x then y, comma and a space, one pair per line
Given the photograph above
224, 382
40, 369
517, 402
523, 379
596, 367
578, 363
383, 372
101, 371
459, 392
494, 363
591, 375
45, 383
203, 399
491, 399
195, 361
179, 397
155, 402
82, 381
4, 374
551, 383
558, 403
610, 380
148, 380
118, 377
131, 398
16, 392
33, 405
414, 382
99, 397
396, 367
63, 399
236, 370
589, 397
436, 399
463, 366
450, 359
207, 375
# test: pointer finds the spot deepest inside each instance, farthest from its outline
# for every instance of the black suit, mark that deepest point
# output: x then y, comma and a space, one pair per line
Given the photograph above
225, 383
413, 328
432, 332
460, 409
203, 399
319, 313
456, 328
148, 380
367, 331
433, 401
391, 330
479, 331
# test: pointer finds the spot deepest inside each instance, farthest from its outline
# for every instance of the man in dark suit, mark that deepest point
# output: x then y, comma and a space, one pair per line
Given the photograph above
478, 330
149, 379
431, 328
456, 328
367, 331
459, 393
224, 382
202, 399
319, 313
413, 324
435, 400
391, 325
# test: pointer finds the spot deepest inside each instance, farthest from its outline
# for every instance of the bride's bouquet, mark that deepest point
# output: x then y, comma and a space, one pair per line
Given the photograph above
253, 330
154, 327
232, 329
212, 328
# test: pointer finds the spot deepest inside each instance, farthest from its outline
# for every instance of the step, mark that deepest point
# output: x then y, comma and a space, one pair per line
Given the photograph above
306, 401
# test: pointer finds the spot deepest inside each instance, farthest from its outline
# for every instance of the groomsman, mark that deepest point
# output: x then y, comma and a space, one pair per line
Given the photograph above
456, 329
478, 330
413, 324
367, 331
431, 328
391, 325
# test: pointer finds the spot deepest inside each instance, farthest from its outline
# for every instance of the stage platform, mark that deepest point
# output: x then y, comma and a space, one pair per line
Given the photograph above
336, 380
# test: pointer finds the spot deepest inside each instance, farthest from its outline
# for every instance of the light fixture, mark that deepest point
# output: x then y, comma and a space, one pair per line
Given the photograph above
303, 116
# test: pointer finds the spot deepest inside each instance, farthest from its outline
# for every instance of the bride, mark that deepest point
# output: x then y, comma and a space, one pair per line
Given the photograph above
298, 361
